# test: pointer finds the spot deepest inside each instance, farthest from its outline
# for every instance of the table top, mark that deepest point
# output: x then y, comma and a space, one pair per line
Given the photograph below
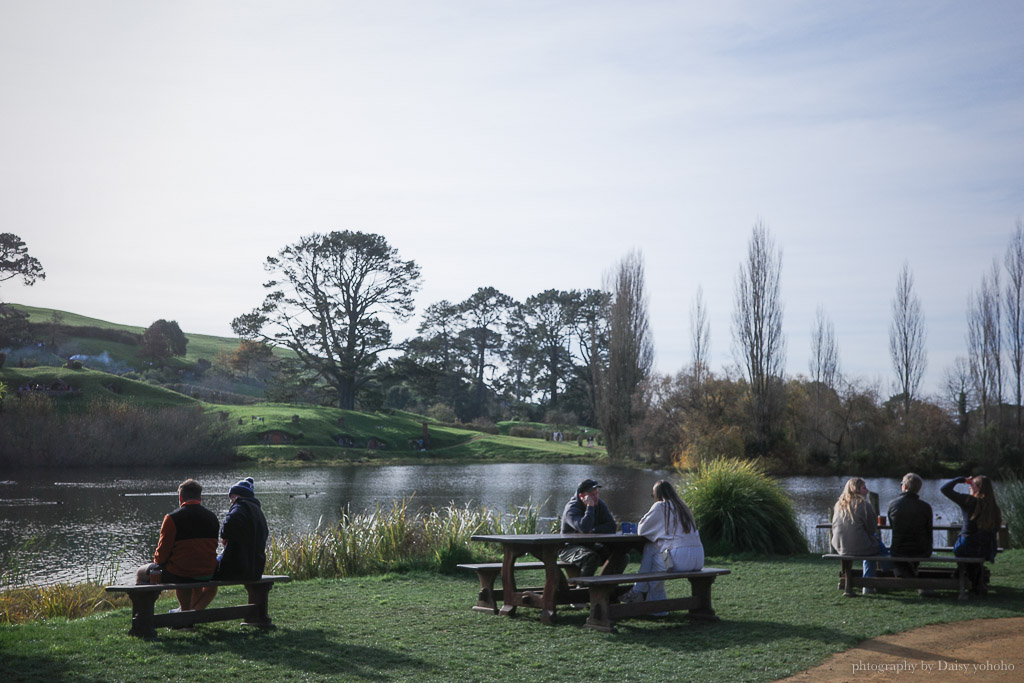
552, 539
935, 527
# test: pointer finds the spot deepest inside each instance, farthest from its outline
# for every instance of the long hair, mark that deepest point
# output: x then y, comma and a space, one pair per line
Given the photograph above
986, 513
666, 493
850, 499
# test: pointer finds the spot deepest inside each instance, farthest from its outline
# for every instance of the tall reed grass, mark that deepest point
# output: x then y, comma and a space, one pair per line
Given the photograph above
739, 509
393, 538
1011, 501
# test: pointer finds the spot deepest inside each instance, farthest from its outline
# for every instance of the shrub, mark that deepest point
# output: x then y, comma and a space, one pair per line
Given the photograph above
741, 509
1012, 504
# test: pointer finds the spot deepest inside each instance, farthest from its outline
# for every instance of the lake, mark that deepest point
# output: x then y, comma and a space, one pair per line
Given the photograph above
71, 524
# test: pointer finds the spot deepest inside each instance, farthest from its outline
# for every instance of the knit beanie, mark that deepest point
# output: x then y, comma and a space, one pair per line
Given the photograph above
245, 488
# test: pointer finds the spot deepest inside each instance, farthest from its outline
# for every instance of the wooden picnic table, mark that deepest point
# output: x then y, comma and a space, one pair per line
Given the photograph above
952, 531
545, 547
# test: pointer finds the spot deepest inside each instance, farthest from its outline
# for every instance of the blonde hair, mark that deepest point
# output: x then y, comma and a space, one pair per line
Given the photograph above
850, 499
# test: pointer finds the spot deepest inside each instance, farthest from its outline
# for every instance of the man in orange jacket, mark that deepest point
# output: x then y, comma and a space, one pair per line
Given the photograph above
187, 550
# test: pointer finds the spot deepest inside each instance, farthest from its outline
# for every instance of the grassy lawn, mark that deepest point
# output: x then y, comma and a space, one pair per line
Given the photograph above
777, 617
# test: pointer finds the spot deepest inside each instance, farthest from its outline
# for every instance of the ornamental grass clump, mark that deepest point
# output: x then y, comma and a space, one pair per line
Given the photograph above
1011, 501
739, 509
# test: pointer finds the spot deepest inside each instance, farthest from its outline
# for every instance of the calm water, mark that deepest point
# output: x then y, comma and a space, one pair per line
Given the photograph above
78, 523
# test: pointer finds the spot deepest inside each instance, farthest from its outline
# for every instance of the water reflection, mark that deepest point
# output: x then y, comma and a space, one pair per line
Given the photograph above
106, 521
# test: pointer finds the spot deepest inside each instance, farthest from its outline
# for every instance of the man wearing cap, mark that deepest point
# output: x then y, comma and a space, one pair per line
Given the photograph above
586, 513
245, 536
187, 549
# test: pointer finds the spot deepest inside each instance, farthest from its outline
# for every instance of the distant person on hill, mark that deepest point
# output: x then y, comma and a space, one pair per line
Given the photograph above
982, 520
586, 513
673, 542
911, 522
855, 526
187, 549
245, 535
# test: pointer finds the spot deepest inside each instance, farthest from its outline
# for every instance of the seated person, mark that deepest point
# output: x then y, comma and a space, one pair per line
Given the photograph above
911, 522
586, 513
855, 526
982, 520
187, 549
673, 542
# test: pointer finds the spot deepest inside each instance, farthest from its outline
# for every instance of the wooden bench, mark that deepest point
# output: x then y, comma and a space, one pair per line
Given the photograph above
604, 611
144, 596
488, 597
950, 575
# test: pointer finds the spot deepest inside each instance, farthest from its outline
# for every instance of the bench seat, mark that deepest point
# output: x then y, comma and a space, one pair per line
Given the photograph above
950, 574
144, 596
605, 611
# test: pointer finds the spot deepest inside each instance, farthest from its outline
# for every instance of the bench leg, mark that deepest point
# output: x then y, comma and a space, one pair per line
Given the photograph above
486, 600
258, 601
599, 619
847, 579
701, 590
142, 614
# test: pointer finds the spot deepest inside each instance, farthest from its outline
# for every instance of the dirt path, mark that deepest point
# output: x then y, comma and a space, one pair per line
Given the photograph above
981, 650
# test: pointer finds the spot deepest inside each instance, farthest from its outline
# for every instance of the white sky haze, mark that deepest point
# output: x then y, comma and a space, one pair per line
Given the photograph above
153, 154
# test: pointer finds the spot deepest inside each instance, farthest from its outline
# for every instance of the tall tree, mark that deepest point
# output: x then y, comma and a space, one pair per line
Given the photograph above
590, 334
1014, 307
757, 331
550, 326
484, 314
327, 301
163, 339
907, 338
983, 344
700, 338
824, 363
16, 262
630, 357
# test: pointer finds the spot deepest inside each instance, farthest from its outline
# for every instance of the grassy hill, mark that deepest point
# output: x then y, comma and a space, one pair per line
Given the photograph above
268, 432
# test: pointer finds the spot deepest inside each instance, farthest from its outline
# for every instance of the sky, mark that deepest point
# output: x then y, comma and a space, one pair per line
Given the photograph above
153, 154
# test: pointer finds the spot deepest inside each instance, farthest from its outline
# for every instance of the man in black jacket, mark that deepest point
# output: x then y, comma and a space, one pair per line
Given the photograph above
586, 513
911, 522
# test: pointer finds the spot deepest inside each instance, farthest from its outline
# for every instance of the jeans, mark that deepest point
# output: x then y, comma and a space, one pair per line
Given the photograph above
871, 568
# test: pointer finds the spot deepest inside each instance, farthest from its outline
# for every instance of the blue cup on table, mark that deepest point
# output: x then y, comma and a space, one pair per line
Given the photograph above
628, 528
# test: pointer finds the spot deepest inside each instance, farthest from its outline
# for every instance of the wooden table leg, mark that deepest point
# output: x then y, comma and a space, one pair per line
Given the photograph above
508, 582
847, 581
553, 580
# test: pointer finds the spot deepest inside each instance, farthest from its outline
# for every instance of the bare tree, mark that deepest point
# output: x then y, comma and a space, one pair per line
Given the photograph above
959, 394
907, 338
1014, 308
824, 363
983, 345
700, 337
630, 357
757, 330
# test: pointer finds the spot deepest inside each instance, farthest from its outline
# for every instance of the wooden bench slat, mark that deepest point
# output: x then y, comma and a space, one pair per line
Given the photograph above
600, 579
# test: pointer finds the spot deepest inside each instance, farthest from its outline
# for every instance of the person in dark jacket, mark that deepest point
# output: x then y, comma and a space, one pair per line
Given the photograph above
245, 534
187, 549
911, 522
586, 513
982, 520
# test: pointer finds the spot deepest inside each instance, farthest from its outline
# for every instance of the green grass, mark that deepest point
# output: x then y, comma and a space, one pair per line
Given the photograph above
93, 384
778, 616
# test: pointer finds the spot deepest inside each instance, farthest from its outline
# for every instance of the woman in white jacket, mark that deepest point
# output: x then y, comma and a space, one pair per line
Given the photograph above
673, 542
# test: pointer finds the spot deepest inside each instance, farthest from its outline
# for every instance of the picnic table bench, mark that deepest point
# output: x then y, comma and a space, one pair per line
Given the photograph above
605, 611
951, 574
143, 598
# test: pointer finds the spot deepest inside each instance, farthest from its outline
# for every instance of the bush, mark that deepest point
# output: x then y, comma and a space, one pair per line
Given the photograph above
1012, 504
741, 509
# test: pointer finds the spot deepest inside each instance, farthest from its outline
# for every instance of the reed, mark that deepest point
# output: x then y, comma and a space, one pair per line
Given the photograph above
741, 509
394, 538
1011, 502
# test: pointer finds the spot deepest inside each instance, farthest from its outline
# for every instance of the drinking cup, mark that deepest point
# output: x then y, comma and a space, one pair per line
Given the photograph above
881, 520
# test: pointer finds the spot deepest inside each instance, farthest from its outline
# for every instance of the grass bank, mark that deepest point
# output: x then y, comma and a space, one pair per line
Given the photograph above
778, 616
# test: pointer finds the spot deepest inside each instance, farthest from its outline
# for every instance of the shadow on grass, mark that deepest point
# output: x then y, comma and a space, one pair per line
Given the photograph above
681, 635
17, 668
309, 651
